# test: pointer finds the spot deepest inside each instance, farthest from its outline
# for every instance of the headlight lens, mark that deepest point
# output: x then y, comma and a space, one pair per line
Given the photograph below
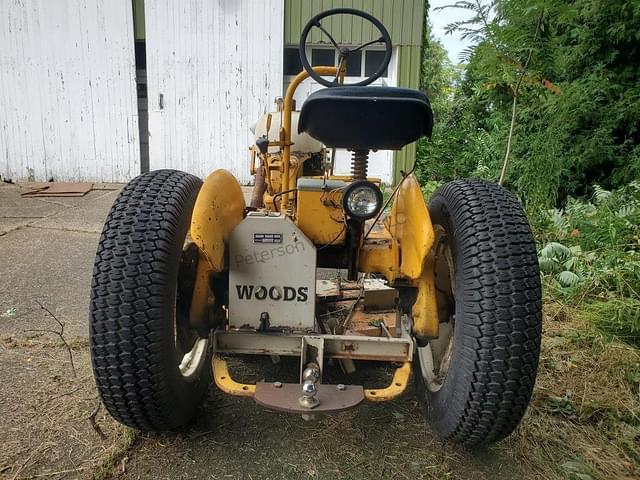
362, 200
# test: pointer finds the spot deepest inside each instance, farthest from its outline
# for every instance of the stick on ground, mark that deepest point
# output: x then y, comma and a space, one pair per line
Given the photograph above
59, 334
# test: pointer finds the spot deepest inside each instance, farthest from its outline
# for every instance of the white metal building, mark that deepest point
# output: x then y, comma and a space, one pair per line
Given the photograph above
80, 100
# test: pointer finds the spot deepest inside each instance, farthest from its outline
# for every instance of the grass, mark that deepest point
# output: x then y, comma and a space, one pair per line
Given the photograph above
585, 415
584, 419
617, 317
124, 440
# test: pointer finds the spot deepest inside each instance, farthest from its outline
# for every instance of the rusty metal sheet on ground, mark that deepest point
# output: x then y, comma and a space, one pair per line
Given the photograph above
57, 189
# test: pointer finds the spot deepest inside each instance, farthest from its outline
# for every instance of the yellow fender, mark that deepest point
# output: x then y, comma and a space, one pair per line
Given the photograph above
425, 310
218, 209
403, 250
410, 224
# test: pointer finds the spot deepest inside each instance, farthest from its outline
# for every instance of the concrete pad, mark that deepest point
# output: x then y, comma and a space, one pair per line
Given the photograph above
12, 205
50, 266
85, 214
10, 223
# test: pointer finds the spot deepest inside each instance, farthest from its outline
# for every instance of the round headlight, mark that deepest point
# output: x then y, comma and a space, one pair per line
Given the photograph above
362, 200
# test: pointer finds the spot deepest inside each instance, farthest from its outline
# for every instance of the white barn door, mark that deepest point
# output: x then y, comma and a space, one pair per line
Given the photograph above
213, 67
68, 106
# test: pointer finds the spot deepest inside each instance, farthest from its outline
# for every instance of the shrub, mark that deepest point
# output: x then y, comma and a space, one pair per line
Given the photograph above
590, 253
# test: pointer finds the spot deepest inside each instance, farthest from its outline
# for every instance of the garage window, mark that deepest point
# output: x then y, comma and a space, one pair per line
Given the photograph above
354, 64
372, 61
323, 57
361, 63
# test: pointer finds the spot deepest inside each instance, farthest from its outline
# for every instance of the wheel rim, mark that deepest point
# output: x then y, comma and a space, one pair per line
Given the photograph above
435, 357
193, 360
191, 348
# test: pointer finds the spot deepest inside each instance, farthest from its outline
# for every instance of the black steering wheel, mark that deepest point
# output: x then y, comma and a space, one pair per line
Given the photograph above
345, 51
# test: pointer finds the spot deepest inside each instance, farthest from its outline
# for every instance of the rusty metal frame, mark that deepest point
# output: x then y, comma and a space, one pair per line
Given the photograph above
356, 347
376, 395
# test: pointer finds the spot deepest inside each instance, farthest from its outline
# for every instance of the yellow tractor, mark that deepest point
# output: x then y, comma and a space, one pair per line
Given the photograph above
188, 276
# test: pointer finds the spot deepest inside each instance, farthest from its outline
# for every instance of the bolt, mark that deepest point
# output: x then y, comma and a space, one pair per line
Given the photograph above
341, 387
277, 384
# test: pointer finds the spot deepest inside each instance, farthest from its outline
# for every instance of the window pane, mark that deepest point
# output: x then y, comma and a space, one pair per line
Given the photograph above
323, 57
354, 64
292, 63
372, 61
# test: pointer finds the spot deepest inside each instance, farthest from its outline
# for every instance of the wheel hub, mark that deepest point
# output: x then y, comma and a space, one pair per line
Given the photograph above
193, 360
191, 348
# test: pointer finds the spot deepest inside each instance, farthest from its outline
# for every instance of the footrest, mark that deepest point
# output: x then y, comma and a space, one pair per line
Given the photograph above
285, 397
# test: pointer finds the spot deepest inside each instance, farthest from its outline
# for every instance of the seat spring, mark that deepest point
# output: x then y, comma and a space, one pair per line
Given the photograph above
359, 164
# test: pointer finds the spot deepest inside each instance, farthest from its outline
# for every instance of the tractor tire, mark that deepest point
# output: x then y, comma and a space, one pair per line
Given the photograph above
475, 381
136, 327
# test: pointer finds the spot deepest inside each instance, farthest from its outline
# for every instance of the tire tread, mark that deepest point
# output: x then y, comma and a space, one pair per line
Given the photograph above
132, 271
502, 321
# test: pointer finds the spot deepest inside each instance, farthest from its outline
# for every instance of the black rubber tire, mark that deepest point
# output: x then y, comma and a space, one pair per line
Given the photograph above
133, 303
498, 315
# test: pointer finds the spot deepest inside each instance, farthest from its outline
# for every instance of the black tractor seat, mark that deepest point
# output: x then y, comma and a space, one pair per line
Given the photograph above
366, 118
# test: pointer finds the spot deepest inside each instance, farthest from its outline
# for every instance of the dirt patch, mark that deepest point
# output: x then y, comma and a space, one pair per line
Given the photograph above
235, 439
582, 424
44, 412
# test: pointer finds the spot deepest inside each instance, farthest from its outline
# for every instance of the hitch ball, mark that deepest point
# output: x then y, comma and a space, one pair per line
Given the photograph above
309, 389
310, 376
312, 372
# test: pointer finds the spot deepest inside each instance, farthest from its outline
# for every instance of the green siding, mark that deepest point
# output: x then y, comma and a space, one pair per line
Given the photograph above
408, 77
403, 19
138, 19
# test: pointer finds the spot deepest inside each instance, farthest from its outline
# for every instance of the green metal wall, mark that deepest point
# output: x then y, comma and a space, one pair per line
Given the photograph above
138, 19
408, 77
403, 19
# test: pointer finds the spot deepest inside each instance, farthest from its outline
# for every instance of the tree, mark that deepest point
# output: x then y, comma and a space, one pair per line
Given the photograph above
553, 85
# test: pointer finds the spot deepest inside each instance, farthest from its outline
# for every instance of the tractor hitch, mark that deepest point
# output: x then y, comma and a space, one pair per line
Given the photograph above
286, 397
310, 396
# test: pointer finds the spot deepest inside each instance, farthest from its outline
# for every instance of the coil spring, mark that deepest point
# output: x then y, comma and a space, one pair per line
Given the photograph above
359, 164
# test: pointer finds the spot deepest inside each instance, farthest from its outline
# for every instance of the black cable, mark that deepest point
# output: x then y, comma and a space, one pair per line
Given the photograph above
404, 176
331, 242
273, 199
